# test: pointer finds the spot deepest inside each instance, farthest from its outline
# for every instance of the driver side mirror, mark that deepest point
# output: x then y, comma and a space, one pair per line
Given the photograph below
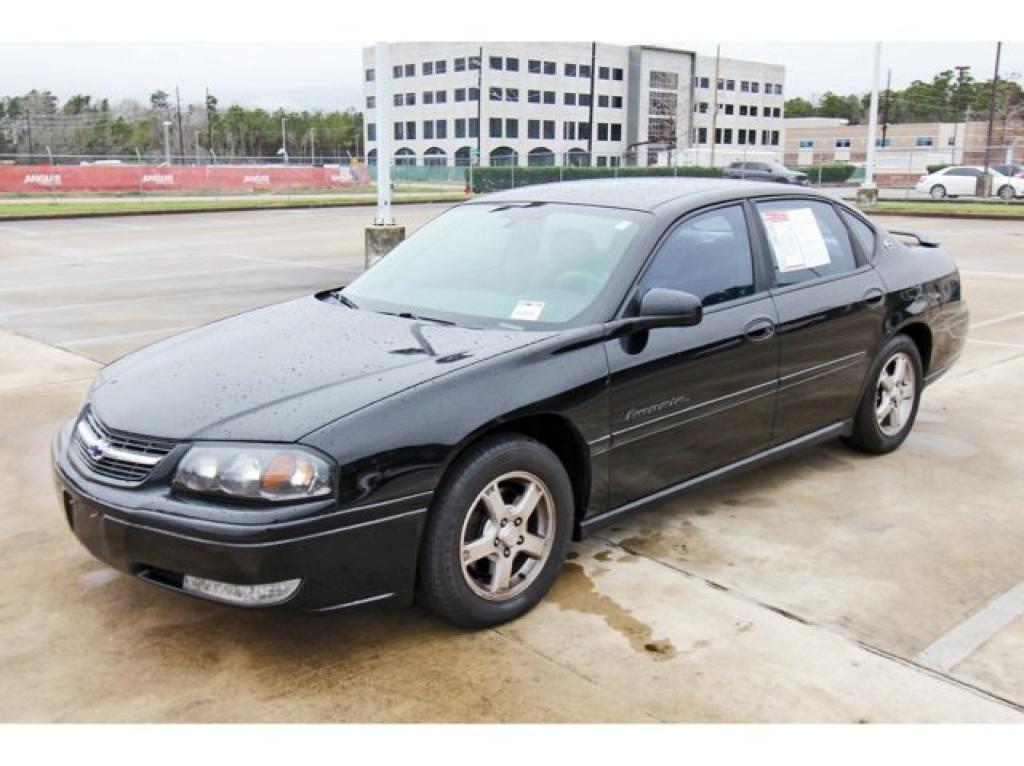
662, 307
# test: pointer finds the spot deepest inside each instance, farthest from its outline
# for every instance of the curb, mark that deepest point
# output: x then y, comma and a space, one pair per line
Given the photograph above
192, 211
918, 214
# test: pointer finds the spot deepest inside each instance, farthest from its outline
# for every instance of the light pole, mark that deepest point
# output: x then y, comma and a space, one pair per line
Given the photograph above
284, 139
383, 236
868, 191
197, 148
167, 142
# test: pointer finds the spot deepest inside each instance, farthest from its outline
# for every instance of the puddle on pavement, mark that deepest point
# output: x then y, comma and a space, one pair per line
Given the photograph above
575, 590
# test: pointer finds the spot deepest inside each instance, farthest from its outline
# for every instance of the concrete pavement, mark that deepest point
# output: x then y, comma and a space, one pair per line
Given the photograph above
809, 590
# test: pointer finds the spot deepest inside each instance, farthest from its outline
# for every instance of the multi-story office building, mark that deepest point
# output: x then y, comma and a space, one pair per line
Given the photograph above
571, 103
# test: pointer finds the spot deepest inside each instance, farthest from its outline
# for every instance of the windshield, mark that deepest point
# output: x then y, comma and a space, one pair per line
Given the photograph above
520, 264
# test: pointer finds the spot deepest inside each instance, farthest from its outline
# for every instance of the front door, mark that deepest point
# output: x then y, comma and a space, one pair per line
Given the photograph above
830, 303
685, 400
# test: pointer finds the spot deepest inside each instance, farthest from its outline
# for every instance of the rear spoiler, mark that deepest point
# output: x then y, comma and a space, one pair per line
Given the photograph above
923, 240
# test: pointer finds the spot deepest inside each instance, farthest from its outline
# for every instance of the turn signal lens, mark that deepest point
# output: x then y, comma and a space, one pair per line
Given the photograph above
257, 472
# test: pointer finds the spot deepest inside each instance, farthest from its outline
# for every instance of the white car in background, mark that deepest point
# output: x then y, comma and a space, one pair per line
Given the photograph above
962, 181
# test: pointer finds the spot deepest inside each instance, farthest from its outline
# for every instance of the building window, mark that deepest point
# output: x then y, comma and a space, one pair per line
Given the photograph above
616, 102
428, 68
705, 82
496, 62
410, 131
511, 94
570, 70
616, 74
753, 111
741, 137
410, 99
428, 97
616, 129
473, 62
428, 128
511, 128
665, 80
533, 96
767, 87
410, 70
440, 67
730, 85
441, 129
661, 130
460, 64
720, 83
924, 141
569, 99
496, 94
842, 143
603, 101
602, 131
396, 71
730, 109
399, 99
441, 97
583, 130
460, 94
764, 137
549, 130
512, 65
744, 86
550, 67
604, 73
778, 89
602, 162
533, 66
755, 87
533, 129
663, 102
549, 97
371, 102
743, 110
883, 143
615, 161
775, 138
495, 127
399, 131
569, 131
371, 75
702, 135
585, 70
474, 127
460, 128
776, 111
371, 131
723, 135
584, 99
701, 106
474, 94
806, 143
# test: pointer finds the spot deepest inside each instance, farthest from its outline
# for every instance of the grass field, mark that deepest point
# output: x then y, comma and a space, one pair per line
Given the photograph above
955, 209
43, 209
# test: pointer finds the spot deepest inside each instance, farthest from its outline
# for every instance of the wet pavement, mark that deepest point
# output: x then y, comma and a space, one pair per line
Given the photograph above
830, 586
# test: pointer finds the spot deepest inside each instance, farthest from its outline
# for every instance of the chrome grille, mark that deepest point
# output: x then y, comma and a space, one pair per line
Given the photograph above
115, 455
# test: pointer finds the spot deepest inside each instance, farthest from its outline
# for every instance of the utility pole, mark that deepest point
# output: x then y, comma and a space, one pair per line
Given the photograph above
479, 103
590, 118
181, 134
868, 192
28, 128
961, 79
167, 142
312, 146
197, 148
885, 108
209, 122
284, 140
714, 102
384, 235
984, 188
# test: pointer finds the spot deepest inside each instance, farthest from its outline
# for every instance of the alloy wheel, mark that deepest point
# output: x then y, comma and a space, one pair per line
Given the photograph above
894, 394
507, 536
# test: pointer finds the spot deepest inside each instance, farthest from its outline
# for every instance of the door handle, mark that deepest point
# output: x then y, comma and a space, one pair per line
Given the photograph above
874, 296
758, 329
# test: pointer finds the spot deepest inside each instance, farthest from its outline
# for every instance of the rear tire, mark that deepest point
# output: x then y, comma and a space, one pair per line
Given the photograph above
498, 532
888, 408
1006, 193
938, 192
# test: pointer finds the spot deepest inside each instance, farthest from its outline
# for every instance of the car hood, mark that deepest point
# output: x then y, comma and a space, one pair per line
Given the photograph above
277, 373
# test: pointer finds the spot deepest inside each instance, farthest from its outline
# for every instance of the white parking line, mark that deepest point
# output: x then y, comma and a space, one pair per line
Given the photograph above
966, 638
997, 343
997, 320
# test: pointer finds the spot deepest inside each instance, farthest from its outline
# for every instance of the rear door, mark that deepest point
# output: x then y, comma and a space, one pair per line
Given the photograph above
830, 304
685, 400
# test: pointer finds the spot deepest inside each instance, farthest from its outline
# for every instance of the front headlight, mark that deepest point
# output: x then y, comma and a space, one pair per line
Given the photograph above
254, 472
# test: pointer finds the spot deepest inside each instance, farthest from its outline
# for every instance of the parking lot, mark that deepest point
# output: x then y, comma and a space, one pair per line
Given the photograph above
830, 586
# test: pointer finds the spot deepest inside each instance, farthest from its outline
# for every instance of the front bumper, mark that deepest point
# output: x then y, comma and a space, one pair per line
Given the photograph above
343, 557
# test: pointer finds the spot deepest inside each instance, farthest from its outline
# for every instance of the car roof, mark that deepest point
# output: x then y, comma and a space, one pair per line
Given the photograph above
644, 194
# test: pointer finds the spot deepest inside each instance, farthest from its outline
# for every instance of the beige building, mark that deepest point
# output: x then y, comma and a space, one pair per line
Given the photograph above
906, 148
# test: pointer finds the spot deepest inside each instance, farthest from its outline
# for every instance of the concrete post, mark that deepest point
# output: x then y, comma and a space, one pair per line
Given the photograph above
384, 235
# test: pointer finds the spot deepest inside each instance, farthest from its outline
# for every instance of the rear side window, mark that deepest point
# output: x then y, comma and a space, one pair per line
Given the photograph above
807, 240
863, 233
707, 255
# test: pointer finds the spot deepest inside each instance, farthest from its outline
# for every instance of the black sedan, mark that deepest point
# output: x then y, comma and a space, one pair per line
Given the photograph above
525, 368
766, 171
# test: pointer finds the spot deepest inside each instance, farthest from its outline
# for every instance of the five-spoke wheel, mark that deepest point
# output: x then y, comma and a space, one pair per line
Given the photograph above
888, 407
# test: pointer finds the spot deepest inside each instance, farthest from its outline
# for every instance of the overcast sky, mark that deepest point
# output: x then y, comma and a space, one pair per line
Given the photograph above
326, 76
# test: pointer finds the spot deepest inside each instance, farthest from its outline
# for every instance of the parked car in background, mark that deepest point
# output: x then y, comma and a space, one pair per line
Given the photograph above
962, 181
527, 367
1014, 171
766, 171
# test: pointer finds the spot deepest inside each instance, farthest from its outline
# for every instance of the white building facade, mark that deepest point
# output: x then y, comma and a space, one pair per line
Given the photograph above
573, 103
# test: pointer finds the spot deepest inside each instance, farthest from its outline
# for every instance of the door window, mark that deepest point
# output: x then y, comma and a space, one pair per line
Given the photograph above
707, 255
807, 240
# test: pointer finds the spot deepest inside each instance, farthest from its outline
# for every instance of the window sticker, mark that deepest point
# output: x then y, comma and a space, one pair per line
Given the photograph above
528, 311
797, 242
623, 225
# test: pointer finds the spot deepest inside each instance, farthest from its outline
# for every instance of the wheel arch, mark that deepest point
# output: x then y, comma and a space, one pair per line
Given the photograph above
921, 334
556, 432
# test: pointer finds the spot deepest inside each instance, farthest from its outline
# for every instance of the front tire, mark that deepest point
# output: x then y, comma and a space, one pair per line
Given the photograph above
938, 192
1006, 193
888, 408
498, 532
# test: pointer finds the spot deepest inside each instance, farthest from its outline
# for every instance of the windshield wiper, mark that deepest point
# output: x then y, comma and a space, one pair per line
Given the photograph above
418, 317
343, 299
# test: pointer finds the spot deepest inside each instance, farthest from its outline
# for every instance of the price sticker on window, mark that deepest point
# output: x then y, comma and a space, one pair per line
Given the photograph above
528, 311
796, 239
